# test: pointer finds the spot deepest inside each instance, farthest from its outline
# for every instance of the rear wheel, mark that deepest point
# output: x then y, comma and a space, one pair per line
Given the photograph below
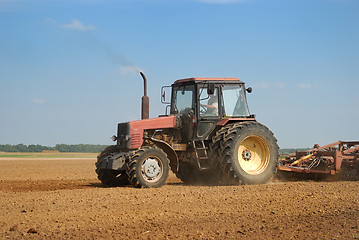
148, 167
191, 175
185, 173
247, 153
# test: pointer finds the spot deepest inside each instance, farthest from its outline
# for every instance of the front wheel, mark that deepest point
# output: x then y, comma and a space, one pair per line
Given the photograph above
248, 153
148, 167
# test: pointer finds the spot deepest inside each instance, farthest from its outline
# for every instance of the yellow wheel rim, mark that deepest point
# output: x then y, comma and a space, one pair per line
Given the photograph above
253, 155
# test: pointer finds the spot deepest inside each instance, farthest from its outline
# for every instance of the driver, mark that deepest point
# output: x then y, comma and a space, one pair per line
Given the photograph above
212, 105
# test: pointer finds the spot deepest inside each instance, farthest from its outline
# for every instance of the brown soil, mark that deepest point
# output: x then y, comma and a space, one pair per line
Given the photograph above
62, 199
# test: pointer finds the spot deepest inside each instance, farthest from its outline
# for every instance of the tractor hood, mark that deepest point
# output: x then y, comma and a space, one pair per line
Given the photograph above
130, 134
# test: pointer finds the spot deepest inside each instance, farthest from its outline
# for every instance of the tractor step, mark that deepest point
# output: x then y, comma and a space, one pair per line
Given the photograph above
201, 152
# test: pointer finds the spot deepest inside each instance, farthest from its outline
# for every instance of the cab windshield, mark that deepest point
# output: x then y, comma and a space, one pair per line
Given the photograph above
234, 101
183, 99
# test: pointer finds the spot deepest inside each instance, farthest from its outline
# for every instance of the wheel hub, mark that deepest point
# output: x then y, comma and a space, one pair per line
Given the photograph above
151, 168
246, 155
253, 155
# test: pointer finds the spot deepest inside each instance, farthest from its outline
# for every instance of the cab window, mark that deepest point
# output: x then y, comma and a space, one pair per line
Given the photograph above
208, 103
234, 101
183, 98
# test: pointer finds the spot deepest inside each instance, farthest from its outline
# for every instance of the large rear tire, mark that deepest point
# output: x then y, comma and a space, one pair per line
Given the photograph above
247, 153
185, 173
191, 175
148, 167
110, 177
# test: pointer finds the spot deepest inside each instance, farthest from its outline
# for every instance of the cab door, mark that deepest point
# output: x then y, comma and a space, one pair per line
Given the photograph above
209, 110
183, 99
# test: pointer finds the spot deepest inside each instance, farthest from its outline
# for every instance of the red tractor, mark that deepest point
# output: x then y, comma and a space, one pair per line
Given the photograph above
208, 137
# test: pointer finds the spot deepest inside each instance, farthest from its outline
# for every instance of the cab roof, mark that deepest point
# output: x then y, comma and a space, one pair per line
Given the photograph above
214, 80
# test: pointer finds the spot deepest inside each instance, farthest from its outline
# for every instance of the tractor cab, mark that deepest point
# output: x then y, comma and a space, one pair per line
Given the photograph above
201, 103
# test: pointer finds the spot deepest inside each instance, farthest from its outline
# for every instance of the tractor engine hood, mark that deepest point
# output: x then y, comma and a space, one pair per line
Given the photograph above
130, 134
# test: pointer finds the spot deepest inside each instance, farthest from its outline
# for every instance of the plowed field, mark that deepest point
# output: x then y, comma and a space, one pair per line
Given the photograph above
43, 198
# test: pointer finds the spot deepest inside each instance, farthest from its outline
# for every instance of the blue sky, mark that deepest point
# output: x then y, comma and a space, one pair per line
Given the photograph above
69, 69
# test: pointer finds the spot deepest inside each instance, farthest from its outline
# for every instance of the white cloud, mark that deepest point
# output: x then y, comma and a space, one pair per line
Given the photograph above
38, 101
49, 20
305, 86
77, 25
266, 85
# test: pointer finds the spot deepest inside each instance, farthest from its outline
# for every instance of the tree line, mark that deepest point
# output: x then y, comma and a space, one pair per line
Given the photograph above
286, 151
85, 148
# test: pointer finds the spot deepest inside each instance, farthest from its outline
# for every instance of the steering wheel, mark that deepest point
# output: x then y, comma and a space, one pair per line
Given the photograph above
202, 109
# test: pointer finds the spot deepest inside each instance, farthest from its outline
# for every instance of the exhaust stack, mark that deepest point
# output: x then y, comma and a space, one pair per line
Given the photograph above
145, 108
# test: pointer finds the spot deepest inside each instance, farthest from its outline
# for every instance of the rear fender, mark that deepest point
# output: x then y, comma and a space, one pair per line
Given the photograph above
225, 121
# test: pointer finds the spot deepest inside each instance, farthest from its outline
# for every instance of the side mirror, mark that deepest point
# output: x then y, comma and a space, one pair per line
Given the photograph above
165, 97
210, 89
249, 90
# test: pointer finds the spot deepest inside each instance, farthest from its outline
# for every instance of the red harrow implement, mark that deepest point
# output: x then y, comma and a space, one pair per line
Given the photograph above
330, 159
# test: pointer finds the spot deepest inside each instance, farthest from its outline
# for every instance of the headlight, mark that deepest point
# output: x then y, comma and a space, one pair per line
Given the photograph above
114, 138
